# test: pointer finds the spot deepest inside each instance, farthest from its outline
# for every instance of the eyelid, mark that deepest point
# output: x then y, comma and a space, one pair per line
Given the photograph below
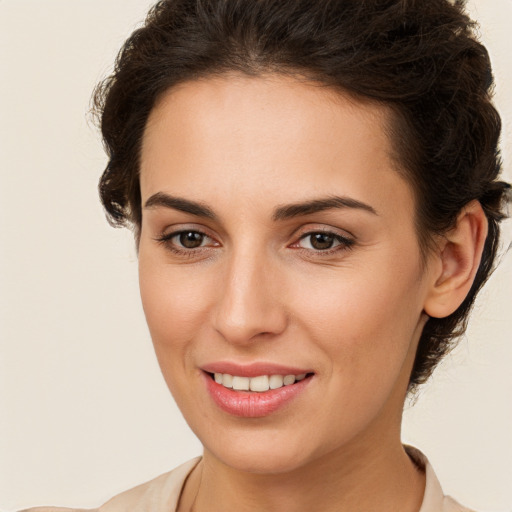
310, 229
176, 229
324, 228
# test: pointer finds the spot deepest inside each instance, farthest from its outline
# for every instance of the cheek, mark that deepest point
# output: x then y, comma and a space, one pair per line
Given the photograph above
174, 303
367, 336
366, 325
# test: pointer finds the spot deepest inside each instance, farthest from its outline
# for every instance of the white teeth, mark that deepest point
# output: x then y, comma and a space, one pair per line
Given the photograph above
259, 384
289, 379
227, 380
276, 381
241, 383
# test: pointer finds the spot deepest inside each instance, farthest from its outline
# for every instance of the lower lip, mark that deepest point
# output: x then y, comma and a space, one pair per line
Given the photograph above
249, 404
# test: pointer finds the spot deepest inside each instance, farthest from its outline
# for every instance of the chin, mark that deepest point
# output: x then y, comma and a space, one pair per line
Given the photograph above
261, 449
256, 460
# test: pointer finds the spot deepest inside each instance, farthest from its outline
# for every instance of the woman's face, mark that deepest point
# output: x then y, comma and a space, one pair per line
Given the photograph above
278, 239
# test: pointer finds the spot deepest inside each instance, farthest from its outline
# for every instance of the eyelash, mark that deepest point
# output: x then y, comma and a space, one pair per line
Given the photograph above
165, 240
344, 243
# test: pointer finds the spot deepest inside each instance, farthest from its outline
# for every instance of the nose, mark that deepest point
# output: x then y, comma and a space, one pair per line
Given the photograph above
250, 300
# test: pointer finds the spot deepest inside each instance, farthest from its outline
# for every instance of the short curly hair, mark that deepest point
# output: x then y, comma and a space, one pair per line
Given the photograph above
420, 58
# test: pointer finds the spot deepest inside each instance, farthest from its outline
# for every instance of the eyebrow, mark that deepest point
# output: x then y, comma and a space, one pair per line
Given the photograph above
317, 205
284, 212
160, 199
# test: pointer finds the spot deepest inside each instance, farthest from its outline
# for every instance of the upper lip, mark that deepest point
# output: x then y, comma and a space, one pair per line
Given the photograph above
253, 369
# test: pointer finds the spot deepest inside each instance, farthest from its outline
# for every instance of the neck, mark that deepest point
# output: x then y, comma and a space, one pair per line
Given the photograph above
355, 480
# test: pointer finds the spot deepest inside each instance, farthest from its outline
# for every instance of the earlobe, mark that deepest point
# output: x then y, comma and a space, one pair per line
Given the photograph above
458, 259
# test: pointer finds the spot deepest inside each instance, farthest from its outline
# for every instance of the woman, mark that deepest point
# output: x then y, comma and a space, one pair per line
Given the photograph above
314, 192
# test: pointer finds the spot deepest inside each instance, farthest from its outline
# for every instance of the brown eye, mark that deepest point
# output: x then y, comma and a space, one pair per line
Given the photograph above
187, 242
318, 241
321, 241
190, 239
324, 241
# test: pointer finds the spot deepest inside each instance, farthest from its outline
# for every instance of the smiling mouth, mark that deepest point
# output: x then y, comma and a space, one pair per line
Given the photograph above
258, 384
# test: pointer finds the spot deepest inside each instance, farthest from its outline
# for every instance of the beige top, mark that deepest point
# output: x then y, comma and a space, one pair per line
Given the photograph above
162, 493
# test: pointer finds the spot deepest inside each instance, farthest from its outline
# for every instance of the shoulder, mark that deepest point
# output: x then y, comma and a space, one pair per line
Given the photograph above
434, 499
158, 495
58, 509
450, 505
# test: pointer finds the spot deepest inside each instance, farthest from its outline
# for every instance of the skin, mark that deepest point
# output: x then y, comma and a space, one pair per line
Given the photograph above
258, 290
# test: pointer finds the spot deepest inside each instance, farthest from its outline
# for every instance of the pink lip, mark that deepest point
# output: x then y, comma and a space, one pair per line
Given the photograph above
249, 404
253, 369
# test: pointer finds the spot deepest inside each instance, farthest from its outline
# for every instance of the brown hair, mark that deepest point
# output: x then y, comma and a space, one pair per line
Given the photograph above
421, 58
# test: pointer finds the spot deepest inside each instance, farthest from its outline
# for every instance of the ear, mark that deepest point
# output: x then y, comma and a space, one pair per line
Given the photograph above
456, 262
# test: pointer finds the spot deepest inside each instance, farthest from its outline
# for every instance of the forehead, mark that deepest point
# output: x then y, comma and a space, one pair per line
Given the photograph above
272, 136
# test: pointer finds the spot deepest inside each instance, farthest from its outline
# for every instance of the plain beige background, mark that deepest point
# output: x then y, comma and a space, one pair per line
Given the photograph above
84, 412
